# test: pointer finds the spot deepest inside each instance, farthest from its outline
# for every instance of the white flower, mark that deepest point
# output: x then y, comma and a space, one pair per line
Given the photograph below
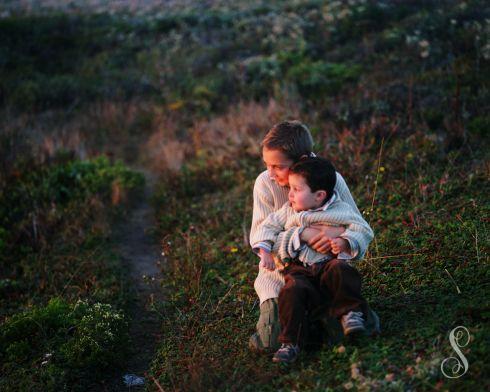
486, 51
342, 14
328, 17
424, 44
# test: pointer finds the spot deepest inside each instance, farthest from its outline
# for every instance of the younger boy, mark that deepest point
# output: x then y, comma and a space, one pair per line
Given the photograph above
312, 279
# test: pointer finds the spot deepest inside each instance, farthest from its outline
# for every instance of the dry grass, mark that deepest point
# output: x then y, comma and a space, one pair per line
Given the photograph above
117, 128
219, 138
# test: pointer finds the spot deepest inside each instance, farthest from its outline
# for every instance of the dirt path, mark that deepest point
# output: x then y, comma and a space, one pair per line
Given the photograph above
141, 255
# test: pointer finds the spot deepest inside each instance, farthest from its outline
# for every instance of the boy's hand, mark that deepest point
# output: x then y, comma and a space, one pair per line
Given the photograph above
339, 245
318, 237
267, 261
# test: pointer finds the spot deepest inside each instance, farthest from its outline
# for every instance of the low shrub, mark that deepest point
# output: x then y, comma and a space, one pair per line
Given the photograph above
63, 343
318, 79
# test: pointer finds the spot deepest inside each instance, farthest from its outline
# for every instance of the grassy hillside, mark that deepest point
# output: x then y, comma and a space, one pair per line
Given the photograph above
396, 95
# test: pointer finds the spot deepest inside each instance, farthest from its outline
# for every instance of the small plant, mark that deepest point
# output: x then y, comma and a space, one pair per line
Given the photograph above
100, 337
62, 342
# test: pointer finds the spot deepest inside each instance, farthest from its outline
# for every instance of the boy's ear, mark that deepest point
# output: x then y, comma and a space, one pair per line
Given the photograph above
320, 195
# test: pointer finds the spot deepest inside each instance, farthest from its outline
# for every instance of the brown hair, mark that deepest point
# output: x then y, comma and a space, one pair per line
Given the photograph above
290, 137
319, 174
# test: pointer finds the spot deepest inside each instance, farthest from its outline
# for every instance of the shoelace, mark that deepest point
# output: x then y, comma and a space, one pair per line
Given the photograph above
354, 317
287, 347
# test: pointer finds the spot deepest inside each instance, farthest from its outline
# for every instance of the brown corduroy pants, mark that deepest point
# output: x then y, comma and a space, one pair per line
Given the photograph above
334, 284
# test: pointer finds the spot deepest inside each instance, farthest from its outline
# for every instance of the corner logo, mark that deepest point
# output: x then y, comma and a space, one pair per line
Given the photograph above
457, 367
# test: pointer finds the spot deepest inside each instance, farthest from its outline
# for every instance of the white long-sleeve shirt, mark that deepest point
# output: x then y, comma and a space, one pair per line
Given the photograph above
269, 197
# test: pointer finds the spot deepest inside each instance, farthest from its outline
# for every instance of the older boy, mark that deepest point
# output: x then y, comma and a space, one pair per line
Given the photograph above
308, 284
284, 144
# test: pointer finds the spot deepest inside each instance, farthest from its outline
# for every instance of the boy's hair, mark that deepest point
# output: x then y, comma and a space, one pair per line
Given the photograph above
290, 137
319, 174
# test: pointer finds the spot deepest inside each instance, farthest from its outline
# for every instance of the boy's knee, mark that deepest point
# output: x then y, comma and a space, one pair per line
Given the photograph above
336, 263
294, 287
338, 266
295, 282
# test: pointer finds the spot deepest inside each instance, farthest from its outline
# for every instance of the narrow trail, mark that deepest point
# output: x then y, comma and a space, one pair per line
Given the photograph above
141, 254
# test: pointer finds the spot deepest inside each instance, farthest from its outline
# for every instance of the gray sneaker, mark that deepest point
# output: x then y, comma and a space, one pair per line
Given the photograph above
288, 353
353, 322
373, 326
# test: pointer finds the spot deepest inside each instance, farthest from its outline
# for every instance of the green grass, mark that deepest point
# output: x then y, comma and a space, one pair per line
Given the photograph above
409, 77
62, 284
62, 346
427, 217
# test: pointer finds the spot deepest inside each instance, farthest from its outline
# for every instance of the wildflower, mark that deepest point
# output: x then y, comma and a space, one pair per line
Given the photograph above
486, 51
341, 349
354, 371
234, 249
381, 169
390, 377
176, 105
424, 54
424, 44
342, 14
328, 17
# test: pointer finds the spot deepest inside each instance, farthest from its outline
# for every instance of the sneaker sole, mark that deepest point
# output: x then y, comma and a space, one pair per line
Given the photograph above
277, 360
354, 331
377, 326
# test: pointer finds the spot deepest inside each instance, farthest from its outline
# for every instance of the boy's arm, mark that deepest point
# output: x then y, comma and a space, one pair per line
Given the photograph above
320, 236
263, 206
358, 232
267, 232
358, 235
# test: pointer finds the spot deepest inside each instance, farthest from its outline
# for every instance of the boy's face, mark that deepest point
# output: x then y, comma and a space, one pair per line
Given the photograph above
278, 165
300, 195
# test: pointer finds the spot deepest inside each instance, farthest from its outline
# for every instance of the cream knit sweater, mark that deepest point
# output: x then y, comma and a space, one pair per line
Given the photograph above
334, 212
270, 197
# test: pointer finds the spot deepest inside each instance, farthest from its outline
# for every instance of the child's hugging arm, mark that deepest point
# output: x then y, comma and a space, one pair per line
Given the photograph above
267, 232
263, 206
358, 232
338, 214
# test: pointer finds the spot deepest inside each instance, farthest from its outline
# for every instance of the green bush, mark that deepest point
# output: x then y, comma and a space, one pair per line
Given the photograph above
36, 325
26, 95
260, 75
479, 126
318, 79
55, 187
55, 222
100, 337
62, 342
